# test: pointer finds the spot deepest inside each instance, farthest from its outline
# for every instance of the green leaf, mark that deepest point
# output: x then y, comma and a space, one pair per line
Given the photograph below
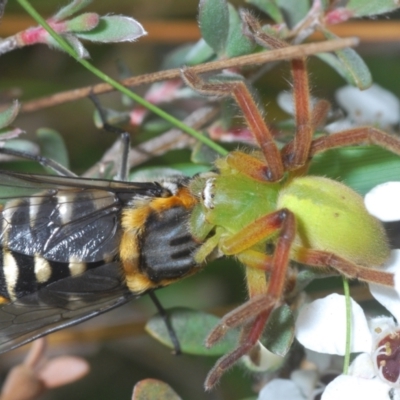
52, 146
82, 23
363, 8
8, 116
269, 7
337, 65
352, 65
214, 23
191, 328
153, 389
200, 52
361, 168
176, 58
70, 9
237, 44
114, 28
279, 332
293, 10
22, 145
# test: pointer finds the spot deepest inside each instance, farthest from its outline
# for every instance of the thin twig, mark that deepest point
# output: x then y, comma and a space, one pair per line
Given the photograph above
286, 53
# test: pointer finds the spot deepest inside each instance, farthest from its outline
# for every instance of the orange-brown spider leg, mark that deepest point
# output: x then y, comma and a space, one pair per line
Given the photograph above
318, 258
356, 136
295, 153
298, 157
247, 341
261, 132
255, 312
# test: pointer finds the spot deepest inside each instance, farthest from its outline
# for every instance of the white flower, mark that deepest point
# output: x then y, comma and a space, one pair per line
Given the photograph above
305, 383
383, 201
373, 106
374, 374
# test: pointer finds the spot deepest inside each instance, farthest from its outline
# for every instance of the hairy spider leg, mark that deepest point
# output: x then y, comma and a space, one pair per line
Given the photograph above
265, 291
274, 169
356, 136
298, 152
318, 258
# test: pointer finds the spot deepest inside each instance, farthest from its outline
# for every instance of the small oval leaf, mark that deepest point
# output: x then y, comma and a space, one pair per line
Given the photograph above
8, 116
191, 328
214, 23
353, 64
200, 52
293, 10
70, 9
363, 8
237, 43
153, 389
21, 145
82, 23
114, 28
52, 146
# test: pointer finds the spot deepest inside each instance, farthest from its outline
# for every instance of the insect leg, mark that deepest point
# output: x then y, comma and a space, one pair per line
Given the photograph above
124, 138
44, 161
164, 315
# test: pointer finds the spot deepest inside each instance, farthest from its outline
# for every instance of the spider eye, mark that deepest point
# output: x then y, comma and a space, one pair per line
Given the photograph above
208, 193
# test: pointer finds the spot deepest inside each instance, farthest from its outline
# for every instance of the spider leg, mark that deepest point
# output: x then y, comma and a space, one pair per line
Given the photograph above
351, 137
318, 258
249, 338
253, 233
261, 132
266, 293
295, 154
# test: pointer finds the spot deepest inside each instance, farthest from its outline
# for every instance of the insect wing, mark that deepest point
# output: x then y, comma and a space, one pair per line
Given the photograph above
59, 305
64, 219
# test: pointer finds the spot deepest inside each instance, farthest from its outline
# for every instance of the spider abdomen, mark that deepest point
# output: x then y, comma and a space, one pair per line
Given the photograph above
332, 217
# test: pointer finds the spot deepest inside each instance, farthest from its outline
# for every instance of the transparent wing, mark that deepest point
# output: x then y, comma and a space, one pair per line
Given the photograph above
63, 218
64, 303
28, 184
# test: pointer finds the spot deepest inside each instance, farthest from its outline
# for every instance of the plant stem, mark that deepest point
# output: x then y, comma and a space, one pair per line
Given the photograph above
346, 361
151, 107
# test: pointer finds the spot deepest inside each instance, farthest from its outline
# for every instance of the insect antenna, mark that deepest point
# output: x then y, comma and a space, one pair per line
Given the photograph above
124, 137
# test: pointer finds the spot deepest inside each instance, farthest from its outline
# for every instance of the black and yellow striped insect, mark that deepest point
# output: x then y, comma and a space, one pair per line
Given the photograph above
72, 248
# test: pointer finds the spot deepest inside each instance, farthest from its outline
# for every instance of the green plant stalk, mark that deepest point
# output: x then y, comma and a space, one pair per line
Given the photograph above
346, 361
151, 107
